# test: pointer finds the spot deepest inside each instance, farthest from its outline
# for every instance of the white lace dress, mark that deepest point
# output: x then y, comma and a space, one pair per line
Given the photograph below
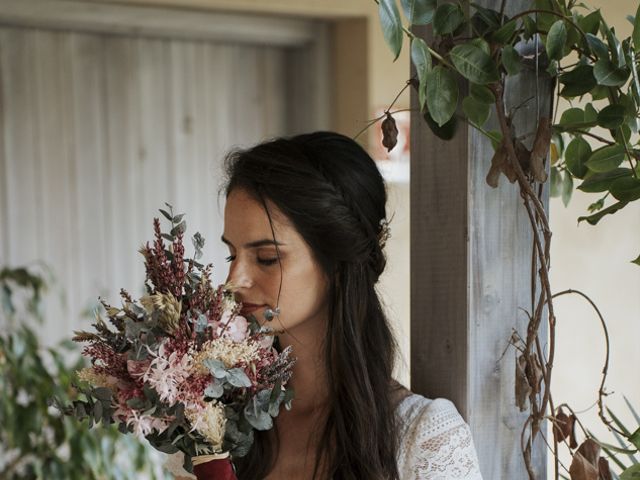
435, 442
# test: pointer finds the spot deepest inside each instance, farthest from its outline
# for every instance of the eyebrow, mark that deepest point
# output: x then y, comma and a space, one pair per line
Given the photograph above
255, 244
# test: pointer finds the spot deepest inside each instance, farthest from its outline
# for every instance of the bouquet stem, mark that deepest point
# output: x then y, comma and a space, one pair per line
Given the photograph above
213, 467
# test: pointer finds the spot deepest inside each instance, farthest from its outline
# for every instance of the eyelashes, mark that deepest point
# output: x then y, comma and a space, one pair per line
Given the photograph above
262, 261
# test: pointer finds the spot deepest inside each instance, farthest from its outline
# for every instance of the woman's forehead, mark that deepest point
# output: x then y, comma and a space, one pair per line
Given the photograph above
246, 220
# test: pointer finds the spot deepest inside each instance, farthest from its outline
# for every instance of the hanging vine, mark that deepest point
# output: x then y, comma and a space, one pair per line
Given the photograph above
583, 59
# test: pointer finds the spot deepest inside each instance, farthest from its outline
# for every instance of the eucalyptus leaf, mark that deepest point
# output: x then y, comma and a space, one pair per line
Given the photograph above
419, 12
474, 64
637, 260
215, 389
511, 60
576, 155
216, 367
447, 19
238, 378
257, 417
556, 39
166, 215
606, 159
391, 25
442, 94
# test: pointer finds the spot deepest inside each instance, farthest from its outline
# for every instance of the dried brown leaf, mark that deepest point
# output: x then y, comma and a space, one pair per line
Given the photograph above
590, 450
498, 161
563, 426
603, 469
523, 389
540, 150
582, 469
389, 132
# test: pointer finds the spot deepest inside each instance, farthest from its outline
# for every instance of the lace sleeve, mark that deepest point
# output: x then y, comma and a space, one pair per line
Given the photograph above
436, 442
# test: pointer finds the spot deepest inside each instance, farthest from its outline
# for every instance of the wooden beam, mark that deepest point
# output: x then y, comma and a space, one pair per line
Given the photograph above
156, 22
471, 250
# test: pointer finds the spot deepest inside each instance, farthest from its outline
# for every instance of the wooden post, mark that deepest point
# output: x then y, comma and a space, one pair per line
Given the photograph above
471, 258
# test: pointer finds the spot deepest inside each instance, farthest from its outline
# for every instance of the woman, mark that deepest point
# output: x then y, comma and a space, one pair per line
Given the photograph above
305, 223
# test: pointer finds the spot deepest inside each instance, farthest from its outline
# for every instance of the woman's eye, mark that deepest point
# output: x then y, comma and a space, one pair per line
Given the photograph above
230, 258
267, 261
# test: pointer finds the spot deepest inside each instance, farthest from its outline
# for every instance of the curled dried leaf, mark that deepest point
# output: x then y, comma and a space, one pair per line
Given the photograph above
389, 132
523, 389
603, 469
590, 450
582, 469
562, 426
540, 150
498, 161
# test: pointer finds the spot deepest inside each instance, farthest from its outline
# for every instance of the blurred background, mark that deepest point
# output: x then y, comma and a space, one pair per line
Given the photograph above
110, 109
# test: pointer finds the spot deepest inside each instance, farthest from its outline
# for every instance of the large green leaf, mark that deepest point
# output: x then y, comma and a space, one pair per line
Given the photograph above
591, 22
576, 155
391, 25
606, 159
556, 39
474, 64
596, 217
421, 58
555, 185
419, 12
598, 47
567, 188
572, 117
477, 112
442, 94
601, 182
447, 19
482, 94
578, 81
626, 189
505, 33
609, 75
631, 473
446, 131
511, 60
611, 116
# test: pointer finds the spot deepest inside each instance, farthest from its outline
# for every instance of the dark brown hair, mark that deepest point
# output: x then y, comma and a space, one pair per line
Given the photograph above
333, 193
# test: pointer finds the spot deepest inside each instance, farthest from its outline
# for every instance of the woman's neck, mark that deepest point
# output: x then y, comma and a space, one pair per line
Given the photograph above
309, 379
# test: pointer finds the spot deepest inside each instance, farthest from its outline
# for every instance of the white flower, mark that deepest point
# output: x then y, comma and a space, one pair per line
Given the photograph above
210, 422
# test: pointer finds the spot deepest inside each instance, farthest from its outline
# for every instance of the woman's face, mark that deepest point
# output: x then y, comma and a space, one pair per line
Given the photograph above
255, 273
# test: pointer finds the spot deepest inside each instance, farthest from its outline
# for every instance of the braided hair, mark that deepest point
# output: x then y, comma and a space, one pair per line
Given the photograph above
334, 195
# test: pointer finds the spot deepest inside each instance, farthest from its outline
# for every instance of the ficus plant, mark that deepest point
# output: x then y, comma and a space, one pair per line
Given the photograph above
593, 146
36, 440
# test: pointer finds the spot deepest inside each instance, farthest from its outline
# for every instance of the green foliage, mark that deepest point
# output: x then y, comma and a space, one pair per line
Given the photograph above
36, 440
482, 45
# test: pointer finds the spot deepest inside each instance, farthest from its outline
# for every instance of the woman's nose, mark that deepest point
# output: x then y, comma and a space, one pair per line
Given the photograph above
239, 275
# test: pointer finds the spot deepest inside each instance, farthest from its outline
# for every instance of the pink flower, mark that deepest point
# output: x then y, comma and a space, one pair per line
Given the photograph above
235, 327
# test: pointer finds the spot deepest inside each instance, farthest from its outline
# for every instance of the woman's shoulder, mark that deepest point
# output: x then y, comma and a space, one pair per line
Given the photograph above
435, 441
437, 414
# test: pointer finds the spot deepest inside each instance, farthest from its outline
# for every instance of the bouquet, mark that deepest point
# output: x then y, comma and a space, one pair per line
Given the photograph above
180, 366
